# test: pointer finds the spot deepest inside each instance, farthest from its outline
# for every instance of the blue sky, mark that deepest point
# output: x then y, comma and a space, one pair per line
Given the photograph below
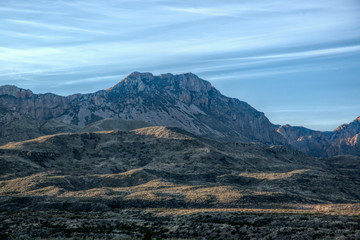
297, 61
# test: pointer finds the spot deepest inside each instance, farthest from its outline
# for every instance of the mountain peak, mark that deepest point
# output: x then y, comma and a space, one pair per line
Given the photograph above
138, 76
188, 81
9, 88
188, 74
134, 78
354, 124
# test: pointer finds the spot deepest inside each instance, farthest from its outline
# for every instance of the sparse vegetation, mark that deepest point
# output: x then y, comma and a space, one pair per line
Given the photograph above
164, 183
167, 223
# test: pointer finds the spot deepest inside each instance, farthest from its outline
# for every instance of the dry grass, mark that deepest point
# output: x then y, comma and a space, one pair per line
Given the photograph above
154, 190
146, 195
43, 139
273, 176
15, 145
336, 209
161, 132
127, 173
181, 211
326, 209
222, 194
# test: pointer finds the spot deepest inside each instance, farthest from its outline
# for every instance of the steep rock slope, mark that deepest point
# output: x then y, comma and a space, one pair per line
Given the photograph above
183, 101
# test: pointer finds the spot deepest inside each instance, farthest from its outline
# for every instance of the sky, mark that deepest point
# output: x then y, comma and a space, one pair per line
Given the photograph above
296, 61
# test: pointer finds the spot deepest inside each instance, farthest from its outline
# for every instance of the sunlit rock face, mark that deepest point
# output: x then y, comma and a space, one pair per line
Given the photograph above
342, 141
183, 101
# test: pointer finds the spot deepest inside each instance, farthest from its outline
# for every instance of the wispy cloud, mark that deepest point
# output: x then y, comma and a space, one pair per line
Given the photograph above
313, 53
268, 73
229, 11
20, 10
53, 27
17, 55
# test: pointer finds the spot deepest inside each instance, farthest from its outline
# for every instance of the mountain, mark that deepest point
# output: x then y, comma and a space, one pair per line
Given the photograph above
183, 101
343, 140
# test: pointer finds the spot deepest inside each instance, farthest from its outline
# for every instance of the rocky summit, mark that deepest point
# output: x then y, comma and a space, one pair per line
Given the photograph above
184, 101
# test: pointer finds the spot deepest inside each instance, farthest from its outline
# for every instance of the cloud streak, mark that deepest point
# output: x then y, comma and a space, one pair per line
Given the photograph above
53, 27
314, 53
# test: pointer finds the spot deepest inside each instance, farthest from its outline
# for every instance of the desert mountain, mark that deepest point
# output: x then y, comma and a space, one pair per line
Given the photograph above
184, 101
343, 140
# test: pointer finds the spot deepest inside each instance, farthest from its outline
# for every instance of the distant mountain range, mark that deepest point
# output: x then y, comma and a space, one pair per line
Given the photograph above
343, 140
184, 101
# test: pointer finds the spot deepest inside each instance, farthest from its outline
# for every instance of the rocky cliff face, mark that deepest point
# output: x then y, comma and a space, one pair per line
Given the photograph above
183, 101
343, 140
346, 139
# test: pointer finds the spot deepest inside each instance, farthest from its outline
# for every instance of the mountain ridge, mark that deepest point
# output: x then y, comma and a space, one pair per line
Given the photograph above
183, 100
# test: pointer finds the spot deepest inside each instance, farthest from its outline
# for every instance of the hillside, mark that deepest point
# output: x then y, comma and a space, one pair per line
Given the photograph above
159, 166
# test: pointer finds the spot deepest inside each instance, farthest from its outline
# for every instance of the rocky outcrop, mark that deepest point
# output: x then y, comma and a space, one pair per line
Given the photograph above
183, 101
346, 139
343, 140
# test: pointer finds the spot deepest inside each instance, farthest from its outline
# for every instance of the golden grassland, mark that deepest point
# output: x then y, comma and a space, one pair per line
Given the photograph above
273, 176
